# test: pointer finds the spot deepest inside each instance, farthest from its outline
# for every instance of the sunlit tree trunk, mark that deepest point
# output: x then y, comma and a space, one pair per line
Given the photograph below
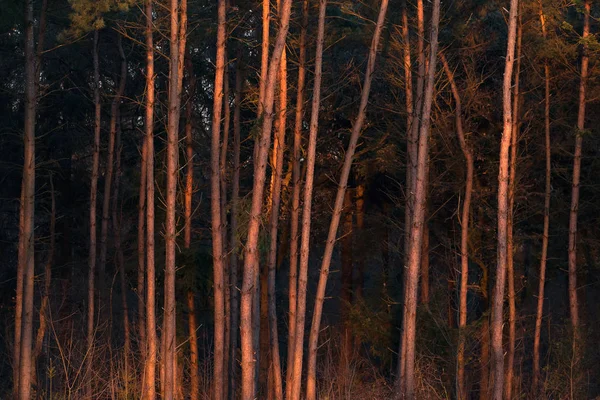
149, 383
216, 223
503, 176
295, 382
418, 219
234, 241
512, 310
251, 259
548, 188
93, 197
573, 301
311, 388
295, 211
461, 391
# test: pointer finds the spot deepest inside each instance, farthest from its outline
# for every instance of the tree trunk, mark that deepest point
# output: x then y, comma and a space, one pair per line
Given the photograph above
548, 189
512, 311
141, 248
216, 223
295, 382
149, 383
573, 301
295, 211
251, 259
498, 296
461, 392
417, 222
311, 391
93, 197
234, 241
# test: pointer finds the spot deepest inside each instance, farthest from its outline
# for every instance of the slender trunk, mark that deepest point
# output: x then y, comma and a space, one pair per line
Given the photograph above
234, 241
417, 222
149, 383
295, 382
548, 188
461, 392
414, 121
512, 311
217, 236
251, 259
93, 197
45, 304
573, 301
25, 274
295, 212
498, 296
311, 391
187, 231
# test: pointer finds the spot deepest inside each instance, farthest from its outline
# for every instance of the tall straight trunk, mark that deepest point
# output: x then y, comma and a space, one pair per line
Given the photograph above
461, 391
295, 211
45, 304
172, 155
264, 57
294, 382
234, 241
93, 197
512, 311
311, 389
498, 295
215, 202
149, 382
25, 270
417, 222
251, 259
279, 144
544, 256
573, 302
414, 122
187, 230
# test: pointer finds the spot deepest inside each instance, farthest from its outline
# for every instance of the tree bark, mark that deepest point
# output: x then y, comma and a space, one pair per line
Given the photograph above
408, 385
216, 223
93, 198
573, 300
461, 392
311, 390
295, 383
251, 260
548, 189
498, 296
512, 311
149, 383
295, 211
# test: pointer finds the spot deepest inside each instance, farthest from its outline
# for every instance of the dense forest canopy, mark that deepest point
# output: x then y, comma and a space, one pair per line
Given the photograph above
299, 199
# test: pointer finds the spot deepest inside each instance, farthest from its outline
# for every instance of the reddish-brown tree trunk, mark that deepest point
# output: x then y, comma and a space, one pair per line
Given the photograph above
251, 259
512, 310
311, 389
295, 211
548, 188
461, 392
573, 300
408, 384
503, 176
216, 223
149, 383
295, 383
93, 198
